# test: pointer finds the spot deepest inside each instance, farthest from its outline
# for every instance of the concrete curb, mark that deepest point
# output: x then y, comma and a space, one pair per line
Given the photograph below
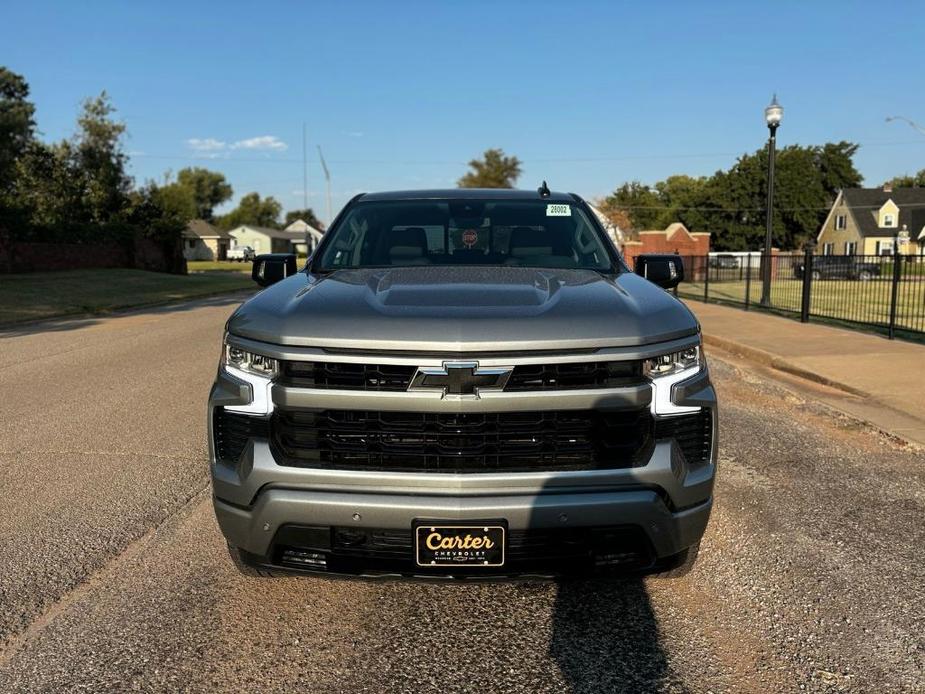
775, 362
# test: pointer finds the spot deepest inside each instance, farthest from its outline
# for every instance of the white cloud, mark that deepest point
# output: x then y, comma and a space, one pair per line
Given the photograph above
355, 133
265, 142
209, 144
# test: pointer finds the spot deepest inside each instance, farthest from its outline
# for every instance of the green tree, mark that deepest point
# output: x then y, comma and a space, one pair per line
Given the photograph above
179, 200
50, 187
908, 181
16, 123
493, 170
98, 155
641, 204
209, 189
252, 209
307, 215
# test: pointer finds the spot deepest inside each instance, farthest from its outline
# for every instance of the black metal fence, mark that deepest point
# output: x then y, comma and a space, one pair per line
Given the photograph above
884, 293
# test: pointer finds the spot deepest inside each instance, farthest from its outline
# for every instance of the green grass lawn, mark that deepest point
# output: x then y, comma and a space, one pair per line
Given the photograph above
864, 302
217, 266
37, 295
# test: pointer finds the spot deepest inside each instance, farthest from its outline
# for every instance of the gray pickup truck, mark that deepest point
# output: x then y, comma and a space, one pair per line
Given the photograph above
463, 383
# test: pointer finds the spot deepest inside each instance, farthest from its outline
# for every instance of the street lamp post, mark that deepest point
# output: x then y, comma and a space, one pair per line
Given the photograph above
772, 115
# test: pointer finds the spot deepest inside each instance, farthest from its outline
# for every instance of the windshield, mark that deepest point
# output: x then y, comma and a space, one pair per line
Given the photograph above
518, 233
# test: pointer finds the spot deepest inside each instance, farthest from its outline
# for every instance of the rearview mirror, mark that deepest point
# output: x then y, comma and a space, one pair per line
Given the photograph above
665, 270
270, 268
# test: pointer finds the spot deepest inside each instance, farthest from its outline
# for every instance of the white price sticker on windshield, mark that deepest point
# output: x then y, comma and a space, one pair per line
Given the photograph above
558, 210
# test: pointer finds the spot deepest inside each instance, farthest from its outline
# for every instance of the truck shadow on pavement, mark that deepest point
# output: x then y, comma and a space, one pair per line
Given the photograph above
77, 321
605, 637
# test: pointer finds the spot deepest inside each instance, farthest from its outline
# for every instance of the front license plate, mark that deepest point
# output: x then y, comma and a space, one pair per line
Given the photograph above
437, 544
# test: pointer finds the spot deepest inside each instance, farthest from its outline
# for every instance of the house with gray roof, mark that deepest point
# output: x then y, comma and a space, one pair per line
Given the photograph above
202, 241
869, 221
267, 240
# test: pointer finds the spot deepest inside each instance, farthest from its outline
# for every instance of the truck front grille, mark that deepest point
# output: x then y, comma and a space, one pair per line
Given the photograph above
397, 377
451, 442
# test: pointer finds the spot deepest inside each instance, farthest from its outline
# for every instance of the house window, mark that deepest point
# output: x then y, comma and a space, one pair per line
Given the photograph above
841, 222
889, 220
190, 244
828, 248
851, 247
884, 248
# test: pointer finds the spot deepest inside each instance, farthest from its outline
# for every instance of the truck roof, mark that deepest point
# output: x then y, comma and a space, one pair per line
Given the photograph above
467, 194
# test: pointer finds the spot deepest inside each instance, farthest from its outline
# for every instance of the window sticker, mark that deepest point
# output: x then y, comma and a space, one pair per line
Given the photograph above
558, 210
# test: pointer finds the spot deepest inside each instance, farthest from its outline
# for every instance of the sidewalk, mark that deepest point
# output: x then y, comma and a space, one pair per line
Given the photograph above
883, 380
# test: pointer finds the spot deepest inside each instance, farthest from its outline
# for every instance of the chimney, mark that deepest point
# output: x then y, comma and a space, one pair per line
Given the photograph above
887, 187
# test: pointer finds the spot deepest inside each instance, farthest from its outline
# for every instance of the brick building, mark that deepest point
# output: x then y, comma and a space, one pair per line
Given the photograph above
675, 239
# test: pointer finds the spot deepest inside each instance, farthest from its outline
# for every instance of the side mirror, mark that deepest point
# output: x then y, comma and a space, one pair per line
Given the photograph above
665, 270
270, 268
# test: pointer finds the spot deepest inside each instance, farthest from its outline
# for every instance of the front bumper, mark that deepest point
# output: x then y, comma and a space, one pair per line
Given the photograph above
645, 513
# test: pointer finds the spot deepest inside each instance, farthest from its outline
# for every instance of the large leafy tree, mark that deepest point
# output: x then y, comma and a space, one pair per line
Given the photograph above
209, 189
252, 209
307, 215
97, 154
493, 170
641, 204
16, 123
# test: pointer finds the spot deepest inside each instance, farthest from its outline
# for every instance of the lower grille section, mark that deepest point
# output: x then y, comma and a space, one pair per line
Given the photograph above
472, 442
231, 431
561, 550
692, 432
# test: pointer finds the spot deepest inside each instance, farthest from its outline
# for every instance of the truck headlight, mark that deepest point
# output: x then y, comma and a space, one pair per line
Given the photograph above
257, 370
250, 362
664, 371
672, 363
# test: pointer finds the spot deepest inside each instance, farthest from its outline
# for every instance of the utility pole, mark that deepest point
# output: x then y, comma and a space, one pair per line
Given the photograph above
327, 176
304, 169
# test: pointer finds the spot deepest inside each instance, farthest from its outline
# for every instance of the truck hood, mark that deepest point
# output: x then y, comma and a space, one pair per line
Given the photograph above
456, 309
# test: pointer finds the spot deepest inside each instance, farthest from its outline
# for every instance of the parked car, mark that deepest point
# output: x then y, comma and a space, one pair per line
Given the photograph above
463, 383
241, 254
839, 267
724, 261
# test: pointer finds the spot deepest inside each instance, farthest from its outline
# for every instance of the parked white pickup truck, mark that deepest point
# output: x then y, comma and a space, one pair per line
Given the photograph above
241, 254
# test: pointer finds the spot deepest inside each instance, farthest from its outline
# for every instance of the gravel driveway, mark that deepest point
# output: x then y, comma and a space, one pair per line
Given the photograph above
114, 575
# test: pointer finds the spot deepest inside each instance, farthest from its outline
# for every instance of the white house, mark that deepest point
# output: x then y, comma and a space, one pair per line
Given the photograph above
312, 235
267, 240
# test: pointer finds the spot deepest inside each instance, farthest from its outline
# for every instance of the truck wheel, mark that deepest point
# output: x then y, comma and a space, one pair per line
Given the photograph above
817, 275
679, 564
245, 568
864, 275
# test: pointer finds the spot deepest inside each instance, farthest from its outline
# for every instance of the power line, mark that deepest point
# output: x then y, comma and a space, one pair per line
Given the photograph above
444, 162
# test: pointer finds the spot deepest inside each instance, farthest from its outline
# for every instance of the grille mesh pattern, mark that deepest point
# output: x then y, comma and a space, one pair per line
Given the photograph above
604, 374
379, 377
397, 377
472, 442
231, 431
693, 432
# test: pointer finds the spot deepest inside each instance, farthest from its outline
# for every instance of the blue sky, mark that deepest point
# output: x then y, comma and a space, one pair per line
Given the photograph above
401, 95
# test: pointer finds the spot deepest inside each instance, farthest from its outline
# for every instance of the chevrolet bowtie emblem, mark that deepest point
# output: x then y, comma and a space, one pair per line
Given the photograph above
461, 378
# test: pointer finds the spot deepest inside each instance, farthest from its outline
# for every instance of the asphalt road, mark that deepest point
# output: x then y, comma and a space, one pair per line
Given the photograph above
114, 576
